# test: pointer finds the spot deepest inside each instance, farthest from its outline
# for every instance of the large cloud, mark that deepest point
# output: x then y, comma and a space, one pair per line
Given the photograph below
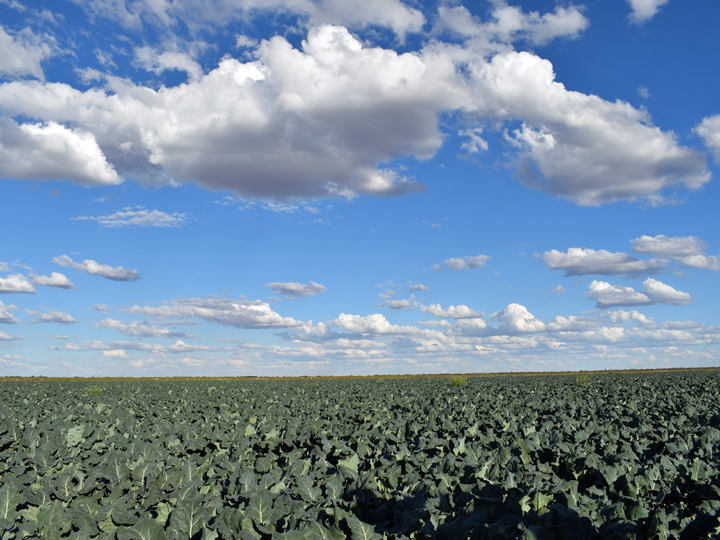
51, 151
687, 250
16, 283
583, 261
117, 273
580, 147
240, 313
654, 292
322, 120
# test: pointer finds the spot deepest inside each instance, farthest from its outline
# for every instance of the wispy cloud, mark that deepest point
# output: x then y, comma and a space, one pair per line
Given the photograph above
295, 289
137, 216
116, 273
58, 317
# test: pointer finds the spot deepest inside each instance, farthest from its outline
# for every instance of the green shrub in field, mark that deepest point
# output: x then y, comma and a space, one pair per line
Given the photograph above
458, 381
93, 390
583, 380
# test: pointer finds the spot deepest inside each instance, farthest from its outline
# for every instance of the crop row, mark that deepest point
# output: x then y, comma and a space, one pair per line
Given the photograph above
535, 457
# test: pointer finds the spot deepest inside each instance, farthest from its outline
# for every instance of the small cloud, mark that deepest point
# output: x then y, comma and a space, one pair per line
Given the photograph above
417, 287
559, 290
296, 290
116, 353
54, 193
452, 312
56, 280
51, 317
117, 273
644, 10
244, 42
8, 337
399, 304
464, 263
139, 216
643, 92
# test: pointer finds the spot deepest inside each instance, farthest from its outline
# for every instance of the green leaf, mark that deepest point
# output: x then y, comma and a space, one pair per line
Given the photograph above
120, 516
52, 521
163, 512
188, 519
260, 508
360, 530
145, 529
309, 492
570, 489
9, 501
334, 488
318, 532
350, 463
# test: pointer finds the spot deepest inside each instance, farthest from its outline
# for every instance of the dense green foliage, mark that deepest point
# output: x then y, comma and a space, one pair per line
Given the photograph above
505, 457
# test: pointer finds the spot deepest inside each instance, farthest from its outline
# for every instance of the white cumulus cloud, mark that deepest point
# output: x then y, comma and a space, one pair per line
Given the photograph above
16, 283
644, 10
23, 53
115, 353
516, 318
50, 151
452, 312
240, 313
322, 120
687, 250
654, 292
583, 261
370, 324
116, 273
55, 279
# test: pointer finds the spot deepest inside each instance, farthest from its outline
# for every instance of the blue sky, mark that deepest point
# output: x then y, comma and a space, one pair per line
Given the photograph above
316, 188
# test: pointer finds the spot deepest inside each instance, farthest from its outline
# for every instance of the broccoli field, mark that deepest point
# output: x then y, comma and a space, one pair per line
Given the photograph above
554, 456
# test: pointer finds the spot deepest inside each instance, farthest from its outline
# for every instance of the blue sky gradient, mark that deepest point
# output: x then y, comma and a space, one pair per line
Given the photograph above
327, 188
